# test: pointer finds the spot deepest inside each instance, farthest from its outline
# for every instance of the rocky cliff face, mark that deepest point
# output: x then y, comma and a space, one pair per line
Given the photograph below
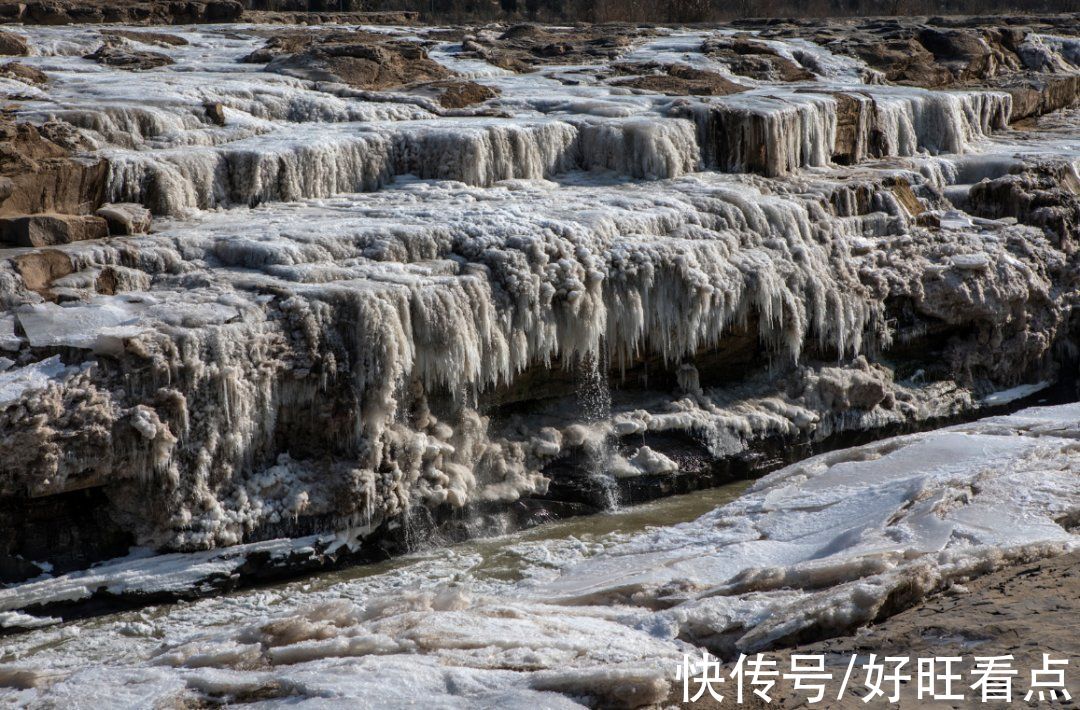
424, 273
157, 12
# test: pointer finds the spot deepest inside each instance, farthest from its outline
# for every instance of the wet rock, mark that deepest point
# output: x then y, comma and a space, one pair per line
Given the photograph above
755, 60
678, 80
125, 218
161, 39
1047, 197
26, 74
901, 189
119, 53
969, 53
459, 94
848, 124
12, 44
50, 229
216, 113
1036, 96
292, 40
362, 66
903, 61
938, 52
12, 11
521, 48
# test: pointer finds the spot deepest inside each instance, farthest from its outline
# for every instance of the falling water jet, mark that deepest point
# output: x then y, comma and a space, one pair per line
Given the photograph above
594, 397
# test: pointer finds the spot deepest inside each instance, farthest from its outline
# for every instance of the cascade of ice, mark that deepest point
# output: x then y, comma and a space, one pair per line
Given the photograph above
764, 134
357, 157
354, 331
777, 136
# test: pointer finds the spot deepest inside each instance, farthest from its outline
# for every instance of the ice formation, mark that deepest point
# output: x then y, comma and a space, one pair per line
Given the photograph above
811, 550
349, 294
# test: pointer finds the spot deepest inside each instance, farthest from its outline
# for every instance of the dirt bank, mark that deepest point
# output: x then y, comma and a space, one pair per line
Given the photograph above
1026, 611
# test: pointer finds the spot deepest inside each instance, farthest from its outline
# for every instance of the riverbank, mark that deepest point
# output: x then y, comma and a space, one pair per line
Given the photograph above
1024, 611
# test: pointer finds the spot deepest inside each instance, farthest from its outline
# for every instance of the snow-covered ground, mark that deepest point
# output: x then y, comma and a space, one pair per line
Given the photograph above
814, 549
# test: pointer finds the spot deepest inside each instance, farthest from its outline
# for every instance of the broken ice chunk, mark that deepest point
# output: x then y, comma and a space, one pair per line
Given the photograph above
8, 340
194, 315
74, 326
1001, 397
954, 219
653, 462
13, 383
110, 341
971, 262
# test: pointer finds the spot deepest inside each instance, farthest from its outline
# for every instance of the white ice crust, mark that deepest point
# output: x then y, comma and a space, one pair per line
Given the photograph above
816, 548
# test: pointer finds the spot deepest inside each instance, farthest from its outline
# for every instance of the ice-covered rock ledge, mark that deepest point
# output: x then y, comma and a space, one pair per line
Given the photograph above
811, 551
246, 374
319, 364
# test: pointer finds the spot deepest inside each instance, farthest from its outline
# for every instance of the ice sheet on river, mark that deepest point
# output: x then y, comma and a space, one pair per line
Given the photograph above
811, 550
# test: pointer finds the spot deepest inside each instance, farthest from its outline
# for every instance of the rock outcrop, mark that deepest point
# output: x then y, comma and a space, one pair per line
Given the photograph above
138, 12
41, 175
12, 44
526, 46
750, 58
24, 73
118, 52
125, 218
43, 230
359, 63
676, 80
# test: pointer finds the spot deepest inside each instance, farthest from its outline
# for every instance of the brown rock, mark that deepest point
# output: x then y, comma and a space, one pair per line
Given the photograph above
12, 44
107, 282
160, 39
523, 47
902, 61
755, 60
459, 94
679, 80
12, 11
295, 41
930, 220
215, 112
1046, 196
1036, 96
119, 53
40, 268
846, 146
125, 218
363, 66
901, 190
42, 230
24, 73
41, 175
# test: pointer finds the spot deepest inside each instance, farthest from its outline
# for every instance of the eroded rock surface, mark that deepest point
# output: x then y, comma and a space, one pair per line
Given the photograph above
523, 47
360, 64
63, 12
40, 174
12, 44
117, 52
